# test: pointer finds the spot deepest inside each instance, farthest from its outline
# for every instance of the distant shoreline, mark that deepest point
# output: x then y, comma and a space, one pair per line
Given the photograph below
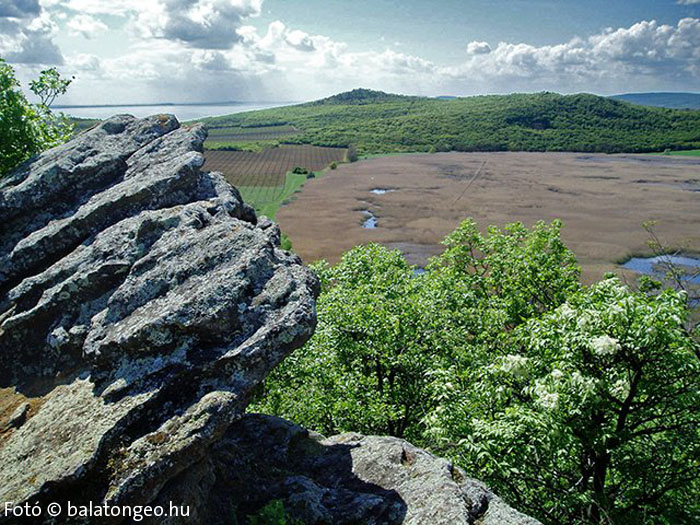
185, 112
155, 104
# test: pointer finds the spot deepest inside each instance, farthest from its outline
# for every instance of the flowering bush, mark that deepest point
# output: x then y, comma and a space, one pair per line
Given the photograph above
578, 405
603, 426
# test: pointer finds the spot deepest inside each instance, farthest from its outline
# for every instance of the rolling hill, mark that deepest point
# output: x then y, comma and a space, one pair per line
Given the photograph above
377, 122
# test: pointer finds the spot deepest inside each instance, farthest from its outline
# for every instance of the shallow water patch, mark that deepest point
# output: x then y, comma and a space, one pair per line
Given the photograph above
659, 265
371, 221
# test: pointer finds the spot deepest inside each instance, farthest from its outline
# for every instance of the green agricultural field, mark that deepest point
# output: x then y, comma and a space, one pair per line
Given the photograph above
687, 153
265, 178
376, 122
680, 153
267, 200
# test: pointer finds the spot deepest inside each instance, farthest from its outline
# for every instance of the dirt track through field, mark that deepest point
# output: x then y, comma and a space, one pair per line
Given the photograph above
602, 199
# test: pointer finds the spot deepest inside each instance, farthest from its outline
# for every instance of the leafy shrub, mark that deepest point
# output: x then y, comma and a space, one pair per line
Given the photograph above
273, 513
577, 405
27, 129
589, 415
286, 242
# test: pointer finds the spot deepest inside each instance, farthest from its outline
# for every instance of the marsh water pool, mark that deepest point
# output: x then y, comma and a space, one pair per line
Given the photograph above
371, 221
659, 265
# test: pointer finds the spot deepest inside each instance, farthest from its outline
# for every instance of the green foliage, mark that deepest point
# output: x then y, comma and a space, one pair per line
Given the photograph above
377, 122
273, 513
49, 85
577, 405
286, 242
27, 129
365, 368
361, 96
509, 275
384, 331
588, 416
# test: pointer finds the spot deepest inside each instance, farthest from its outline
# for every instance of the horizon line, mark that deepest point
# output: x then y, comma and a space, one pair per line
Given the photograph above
150, 104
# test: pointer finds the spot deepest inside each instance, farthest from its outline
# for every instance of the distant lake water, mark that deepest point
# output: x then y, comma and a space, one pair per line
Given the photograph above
182, 111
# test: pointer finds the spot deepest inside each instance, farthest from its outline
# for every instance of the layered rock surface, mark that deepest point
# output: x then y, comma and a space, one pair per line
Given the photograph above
346, 479
141, 302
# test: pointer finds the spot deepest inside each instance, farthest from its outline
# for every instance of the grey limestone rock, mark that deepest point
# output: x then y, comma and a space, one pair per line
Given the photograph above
345, 479
140, 304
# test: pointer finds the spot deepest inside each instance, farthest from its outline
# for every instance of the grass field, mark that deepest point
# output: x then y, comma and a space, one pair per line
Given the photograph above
267, 200
686, 153
264, 178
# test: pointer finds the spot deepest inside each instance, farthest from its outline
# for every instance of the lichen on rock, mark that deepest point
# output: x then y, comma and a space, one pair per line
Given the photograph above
142, 301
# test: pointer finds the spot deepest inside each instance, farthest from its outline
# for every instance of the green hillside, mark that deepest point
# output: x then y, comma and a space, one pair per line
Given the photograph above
376, 122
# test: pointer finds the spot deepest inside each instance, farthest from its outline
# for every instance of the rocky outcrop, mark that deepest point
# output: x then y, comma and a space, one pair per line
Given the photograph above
345, 479
141, 302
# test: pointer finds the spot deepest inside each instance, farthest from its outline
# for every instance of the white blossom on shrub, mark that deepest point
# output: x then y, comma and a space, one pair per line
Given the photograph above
514, 364
604, 345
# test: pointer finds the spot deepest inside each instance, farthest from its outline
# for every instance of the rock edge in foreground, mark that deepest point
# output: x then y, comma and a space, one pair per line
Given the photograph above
141, 301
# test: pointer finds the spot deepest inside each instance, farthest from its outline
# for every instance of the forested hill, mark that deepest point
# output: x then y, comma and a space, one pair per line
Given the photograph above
663, 100
376, 122
362, 96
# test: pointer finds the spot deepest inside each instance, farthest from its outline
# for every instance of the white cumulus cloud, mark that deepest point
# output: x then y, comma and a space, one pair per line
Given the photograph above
644, 55
204, 24
86, 25
478, 48
27, 33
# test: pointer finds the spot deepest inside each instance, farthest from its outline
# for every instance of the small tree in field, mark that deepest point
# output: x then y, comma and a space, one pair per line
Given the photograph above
27, 129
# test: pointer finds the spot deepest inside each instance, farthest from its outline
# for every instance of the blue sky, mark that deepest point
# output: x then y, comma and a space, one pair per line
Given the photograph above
441, 29
208, 50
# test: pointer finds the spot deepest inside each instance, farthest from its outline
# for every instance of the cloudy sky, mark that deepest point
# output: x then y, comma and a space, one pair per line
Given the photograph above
141, 51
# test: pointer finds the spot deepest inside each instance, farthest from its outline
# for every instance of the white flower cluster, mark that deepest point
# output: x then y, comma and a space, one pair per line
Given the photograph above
604, 345
566, 312
546, 399
620, 389
585, 386
514, 364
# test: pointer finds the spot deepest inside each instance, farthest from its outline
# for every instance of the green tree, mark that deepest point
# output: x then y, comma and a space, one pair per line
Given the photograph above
367, 366
386, 335
27, 129
578, 405
505, 277
590, 414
